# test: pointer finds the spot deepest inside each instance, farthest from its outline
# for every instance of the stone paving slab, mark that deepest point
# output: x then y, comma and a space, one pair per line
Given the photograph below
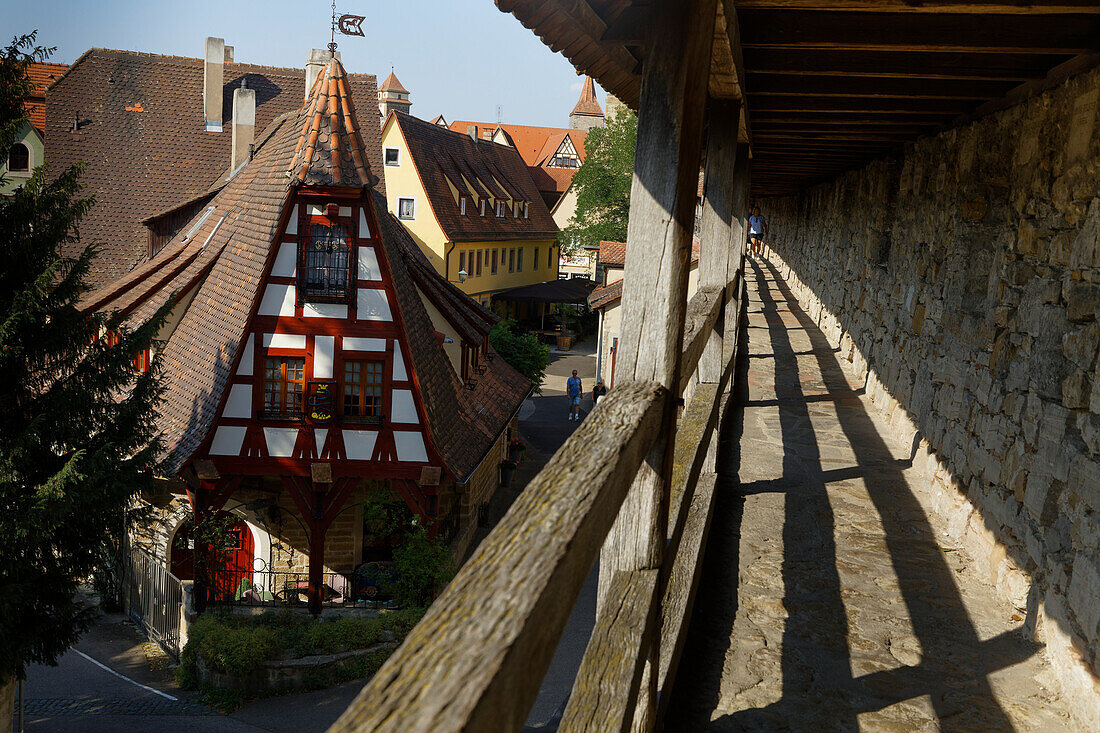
827, 601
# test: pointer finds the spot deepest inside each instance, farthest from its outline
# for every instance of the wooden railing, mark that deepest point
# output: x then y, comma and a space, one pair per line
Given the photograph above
635, 482
476, 660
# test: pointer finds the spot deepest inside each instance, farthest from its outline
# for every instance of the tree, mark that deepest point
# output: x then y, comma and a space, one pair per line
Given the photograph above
602, 184
422, 565
77, 436
523, 351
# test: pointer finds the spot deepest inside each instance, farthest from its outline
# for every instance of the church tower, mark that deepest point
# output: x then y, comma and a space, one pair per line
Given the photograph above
392, 96
587, 114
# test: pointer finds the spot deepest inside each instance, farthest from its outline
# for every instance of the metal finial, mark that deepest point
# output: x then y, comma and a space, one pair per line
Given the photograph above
332, 40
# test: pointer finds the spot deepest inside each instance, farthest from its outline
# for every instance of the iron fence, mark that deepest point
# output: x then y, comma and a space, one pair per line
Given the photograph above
367, 587
153, 598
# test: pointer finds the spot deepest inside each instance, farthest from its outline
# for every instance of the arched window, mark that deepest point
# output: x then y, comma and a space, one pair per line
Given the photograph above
19, 158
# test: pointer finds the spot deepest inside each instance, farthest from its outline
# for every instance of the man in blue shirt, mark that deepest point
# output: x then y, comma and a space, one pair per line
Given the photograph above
574, 390
758, 229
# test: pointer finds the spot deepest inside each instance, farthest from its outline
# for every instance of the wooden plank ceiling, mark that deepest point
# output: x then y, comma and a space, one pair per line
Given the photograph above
830, 85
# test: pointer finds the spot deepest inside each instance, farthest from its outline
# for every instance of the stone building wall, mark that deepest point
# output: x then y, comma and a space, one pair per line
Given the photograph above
964, 278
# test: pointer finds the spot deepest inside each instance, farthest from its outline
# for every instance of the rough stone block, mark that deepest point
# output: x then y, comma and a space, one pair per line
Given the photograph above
1013, 584
1084, 594
1041, 494
1079, 685
1076, 390
1080, 345
1082, 301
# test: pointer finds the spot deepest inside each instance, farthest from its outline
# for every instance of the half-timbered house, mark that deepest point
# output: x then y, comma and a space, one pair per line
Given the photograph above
313, 356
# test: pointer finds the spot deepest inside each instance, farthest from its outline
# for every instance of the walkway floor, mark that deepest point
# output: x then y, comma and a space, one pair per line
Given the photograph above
827, 601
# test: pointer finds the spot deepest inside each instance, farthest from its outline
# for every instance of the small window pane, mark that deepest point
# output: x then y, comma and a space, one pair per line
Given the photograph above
406, 208
392, 156
326, 262
19, 158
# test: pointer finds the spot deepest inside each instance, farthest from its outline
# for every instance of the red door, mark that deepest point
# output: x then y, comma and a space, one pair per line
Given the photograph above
229, 566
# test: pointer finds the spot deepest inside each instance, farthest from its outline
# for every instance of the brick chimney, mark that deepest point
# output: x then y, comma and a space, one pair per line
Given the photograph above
244, 123
212, 79
315, 64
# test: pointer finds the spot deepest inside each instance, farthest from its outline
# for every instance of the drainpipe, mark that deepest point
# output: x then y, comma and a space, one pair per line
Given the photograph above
599, 348
447, 262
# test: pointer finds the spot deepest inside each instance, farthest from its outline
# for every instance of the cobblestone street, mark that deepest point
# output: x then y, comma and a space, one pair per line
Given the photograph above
830, 599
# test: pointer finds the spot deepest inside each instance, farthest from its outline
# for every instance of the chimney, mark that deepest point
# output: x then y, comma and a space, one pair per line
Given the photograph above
212, 79
471, 130
315, 64
228, 54
244, 123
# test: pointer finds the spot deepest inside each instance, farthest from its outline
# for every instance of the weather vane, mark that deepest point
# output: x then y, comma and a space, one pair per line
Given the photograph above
349, 25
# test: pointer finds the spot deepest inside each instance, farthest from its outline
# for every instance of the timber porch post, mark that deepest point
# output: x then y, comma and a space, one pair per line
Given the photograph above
671, 117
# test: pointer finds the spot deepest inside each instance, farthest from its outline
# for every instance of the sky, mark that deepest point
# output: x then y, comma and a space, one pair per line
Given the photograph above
459, 58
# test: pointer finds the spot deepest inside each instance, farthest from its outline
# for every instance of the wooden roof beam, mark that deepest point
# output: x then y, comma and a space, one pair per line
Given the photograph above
1001, 7
802, 84
974, 33
902, 64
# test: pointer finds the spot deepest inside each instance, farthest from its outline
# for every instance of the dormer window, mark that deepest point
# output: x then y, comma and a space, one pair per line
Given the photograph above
325, 261
482, 207
502, 209
462, 206
516, 208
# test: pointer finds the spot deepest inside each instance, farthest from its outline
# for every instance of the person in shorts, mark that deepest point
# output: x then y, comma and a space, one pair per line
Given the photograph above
574, 389
758, 230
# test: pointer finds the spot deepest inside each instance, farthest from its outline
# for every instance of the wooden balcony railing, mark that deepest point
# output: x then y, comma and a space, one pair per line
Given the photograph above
635, 482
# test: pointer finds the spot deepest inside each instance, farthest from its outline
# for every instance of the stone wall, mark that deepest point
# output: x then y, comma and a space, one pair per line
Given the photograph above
964, 278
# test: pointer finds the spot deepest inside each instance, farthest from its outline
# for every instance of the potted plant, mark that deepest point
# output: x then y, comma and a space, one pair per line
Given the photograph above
516, 449
565, 341
507, 470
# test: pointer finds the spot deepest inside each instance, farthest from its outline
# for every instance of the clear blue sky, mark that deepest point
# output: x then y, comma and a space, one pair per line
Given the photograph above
461, 58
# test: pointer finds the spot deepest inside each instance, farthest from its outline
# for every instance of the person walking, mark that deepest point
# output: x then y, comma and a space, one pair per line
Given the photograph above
758, 231
574, 389
598, 391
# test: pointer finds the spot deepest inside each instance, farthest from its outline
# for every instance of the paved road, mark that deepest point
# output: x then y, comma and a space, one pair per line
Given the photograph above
544, 425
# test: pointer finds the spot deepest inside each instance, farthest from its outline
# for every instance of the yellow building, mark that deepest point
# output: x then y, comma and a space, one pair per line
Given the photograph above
471, 206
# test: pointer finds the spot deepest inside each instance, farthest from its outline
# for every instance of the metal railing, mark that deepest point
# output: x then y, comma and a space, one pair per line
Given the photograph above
153, 598
367, 588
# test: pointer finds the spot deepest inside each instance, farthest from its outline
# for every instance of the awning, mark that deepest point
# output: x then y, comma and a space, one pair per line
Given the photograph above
574, 290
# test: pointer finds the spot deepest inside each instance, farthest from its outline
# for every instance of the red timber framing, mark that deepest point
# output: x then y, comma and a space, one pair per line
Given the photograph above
324, 444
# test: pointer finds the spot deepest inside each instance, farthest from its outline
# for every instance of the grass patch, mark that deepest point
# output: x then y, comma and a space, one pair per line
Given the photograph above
237, 645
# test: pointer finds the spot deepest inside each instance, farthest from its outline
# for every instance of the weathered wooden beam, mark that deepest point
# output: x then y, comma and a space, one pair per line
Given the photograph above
720, 219
605, 692
968, 33
476, 660
870, 86
702, 314
671, 118
856, 105
901, 63
1019, 7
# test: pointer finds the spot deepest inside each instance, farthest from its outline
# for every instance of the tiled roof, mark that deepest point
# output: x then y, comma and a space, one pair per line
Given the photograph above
606, 295
226, 257
588, 105
141, 131
391, 84
496, 170
612, 253
41, 75
530, 141
330, 149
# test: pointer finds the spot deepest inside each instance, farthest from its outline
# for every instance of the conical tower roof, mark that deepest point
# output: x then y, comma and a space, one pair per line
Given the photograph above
330, 149
391, 84
588, 105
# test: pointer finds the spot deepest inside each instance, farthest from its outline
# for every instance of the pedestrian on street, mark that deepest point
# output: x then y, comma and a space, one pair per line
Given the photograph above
598, 391
574, 389
758, 231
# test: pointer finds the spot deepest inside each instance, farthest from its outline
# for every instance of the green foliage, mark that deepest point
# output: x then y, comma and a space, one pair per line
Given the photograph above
423, 566
77, 434
602, 184
385, 514
523, 351
237, 644
15, 84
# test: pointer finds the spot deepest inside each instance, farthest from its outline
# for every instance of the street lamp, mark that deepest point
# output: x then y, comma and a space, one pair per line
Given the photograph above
462, 275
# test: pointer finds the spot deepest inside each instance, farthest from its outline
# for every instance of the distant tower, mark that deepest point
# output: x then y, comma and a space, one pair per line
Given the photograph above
614, 104
587, 114
393, 96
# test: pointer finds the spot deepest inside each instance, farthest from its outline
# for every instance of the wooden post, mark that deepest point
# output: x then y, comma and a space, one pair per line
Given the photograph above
738, 228
671, 116
720, 251
317, 531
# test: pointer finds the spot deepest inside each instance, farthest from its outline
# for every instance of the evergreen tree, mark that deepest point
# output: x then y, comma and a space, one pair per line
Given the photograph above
602, 184
77, 436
